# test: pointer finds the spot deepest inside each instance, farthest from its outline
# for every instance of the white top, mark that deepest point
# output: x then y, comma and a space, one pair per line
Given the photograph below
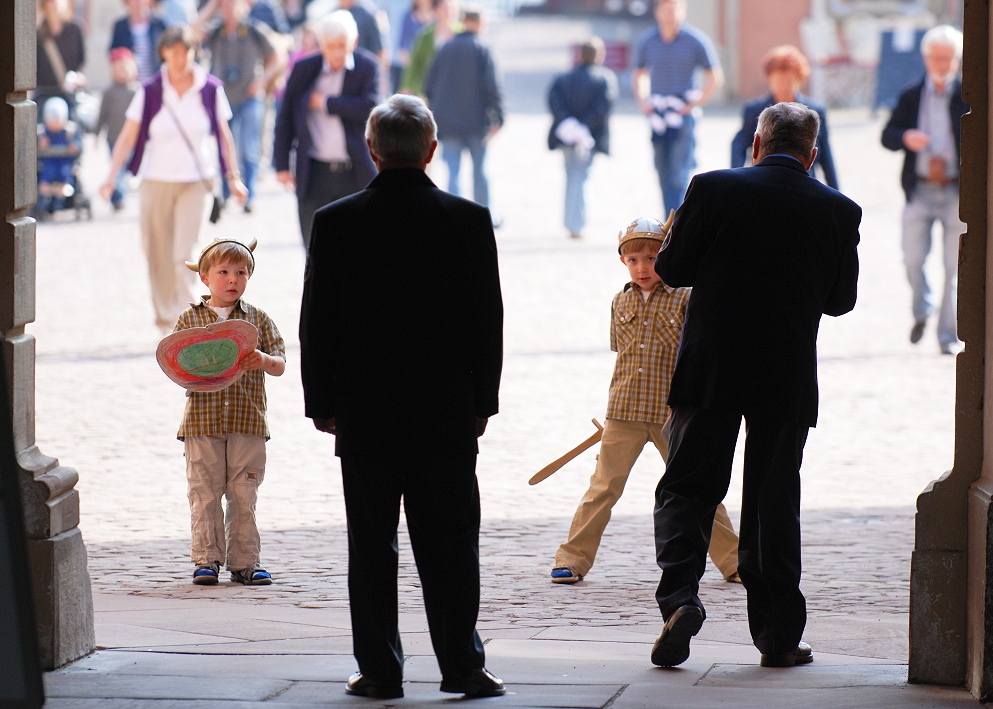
327, 132
167, 158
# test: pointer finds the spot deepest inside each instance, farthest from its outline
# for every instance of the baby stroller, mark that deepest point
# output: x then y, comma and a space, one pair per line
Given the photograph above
60, 145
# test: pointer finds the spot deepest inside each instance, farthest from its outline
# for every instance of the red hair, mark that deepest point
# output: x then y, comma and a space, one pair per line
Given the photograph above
786, 57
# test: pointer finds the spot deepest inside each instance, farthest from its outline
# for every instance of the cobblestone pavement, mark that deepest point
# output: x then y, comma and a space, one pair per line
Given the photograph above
885, 430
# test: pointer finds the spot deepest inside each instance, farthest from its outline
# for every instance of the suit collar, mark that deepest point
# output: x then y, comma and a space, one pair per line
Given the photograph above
401, 175
783, 161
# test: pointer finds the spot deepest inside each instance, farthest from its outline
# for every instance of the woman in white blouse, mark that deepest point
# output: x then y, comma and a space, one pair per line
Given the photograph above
177, 128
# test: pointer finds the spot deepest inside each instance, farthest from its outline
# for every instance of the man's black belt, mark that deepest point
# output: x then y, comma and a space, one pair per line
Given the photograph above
334, 166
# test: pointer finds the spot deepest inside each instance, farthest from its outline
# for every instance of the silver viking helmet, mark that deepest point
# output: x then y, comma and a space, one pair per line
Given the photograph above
645, 228
216, 242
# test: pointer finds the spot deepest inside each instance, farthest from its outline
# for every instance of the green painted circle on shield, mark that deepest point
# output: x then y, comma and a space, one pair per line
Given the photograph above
208, 359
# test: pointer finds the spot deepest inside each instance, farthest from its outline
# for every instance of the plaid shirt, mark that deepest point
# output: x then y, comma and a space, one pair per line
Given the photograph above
239, 408
645, 336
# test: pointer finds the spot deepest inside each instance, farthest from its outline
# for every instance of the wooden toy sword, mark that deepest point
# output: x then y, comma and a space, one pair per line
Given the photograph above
553, 467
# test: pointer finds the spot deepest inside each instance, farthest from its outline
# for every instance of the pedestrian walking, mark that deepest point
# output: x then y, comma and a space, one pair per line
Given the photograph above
427, 42
465, 97
224, 432
175, 136
645, 325
580, 102
406, 415
113, 109
667, 59
926, 126
786, 70
60, 52
140, 32
242, 56
767, 250
322, 120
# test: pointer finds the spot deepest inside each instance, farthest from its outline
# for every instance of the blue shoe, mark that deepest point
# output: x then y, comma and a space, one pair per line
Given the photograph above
206, 574
566, 574
252, 577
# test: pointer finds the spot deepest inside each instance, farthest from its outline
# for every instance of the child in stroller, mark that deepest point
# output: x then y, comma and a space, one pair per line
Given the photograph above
60, 143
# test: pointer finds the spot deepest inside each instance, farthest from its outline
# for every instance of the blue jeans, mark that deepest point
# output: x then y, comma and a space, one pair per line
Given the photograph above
451, 152
246, 129
675, 160
577, 169
120, 182
933, 203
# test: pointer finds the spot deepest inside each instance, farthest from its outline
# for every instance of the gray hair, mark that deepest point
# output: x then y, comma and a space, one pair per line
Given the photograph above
789, 128
400, 130
339, 23
943, 35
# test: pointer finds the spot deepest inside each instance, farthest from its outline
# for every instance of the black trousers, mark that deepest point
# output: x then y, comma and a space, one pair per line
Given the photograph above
326, 183
696, 480
441, 503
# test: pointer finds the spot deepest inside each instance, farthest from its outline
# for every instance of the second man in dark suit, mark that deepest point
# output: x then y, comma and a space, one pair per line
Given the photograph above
327, 101
767, 250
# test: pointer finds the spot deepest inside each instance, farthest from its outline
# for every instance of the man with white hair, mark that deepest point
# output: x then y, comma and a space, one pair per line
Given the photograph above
926, 125
327, 101
406, 410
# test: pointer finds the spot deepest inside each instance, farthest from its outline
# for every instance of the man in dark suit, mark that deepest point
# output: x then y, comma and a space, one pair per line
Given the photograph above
140, 31
406, 397
926, 126
767, 250
325, 106
580, 101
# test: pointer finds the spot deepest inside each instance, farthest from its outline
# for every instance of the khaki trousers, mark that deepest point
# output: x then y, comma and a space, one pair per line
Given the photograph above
232, 466
171, 215
620, 447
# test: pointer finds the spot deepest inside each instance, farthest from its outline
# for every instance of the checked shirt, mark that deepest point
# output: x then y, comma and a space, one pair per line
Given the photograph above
645, 336
239, 408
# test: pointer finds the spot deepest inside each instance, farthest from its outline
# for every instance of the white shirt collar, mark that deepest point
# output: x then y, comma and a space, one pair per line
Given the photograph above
199, 79
349, 64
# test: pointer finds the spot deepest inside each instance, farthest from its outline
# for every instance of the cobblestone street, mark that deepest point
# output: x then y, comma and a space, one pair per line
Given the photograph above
885, 427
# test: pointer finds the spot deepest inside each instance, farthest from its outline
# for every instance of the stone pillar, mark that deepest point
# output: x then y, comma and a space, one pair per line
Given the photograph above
61, 583
950, 588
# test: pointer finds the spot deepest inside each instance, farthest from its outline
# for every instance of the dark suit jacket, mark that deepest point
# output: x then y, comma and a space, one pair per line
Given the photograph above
767, 250
121, 35
462, 88
359, 95
402, 318
586, 93
741, 145
904, 117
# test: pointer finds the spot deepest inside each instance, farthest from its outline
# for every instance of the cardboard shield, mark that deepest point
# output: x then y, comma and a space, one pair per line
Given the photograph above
207, 358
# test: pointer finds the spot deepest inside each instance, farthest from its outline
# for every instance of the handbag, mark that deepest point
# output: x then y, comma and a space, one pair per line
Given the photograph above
218, 205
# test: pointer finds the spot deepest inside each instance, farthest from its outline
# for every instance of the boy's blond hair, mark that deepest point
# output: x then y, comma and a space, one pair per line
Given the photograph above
635, 246
228, 250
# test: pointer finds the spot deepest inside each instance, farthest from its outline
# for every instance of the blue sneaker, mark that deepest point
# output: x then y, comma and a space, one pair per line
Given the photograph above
566, 574
206, 574
252, 577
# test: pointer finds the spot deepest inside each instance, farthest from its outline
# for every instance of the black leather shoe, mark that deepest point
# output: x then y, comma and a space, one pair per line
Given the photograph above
673, 646
359, 686
917, 332
801, 656
476, 683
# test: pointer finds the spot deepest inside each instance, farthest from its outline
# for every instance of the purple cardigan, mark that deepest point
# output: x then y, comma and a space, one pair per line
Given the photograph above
153, 102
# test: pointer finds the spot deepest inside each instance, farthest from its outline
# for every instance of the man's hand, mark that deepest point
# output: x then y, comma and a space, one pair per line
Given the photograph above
915, 140
318, 101
480, 426
284, 178
326, 425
